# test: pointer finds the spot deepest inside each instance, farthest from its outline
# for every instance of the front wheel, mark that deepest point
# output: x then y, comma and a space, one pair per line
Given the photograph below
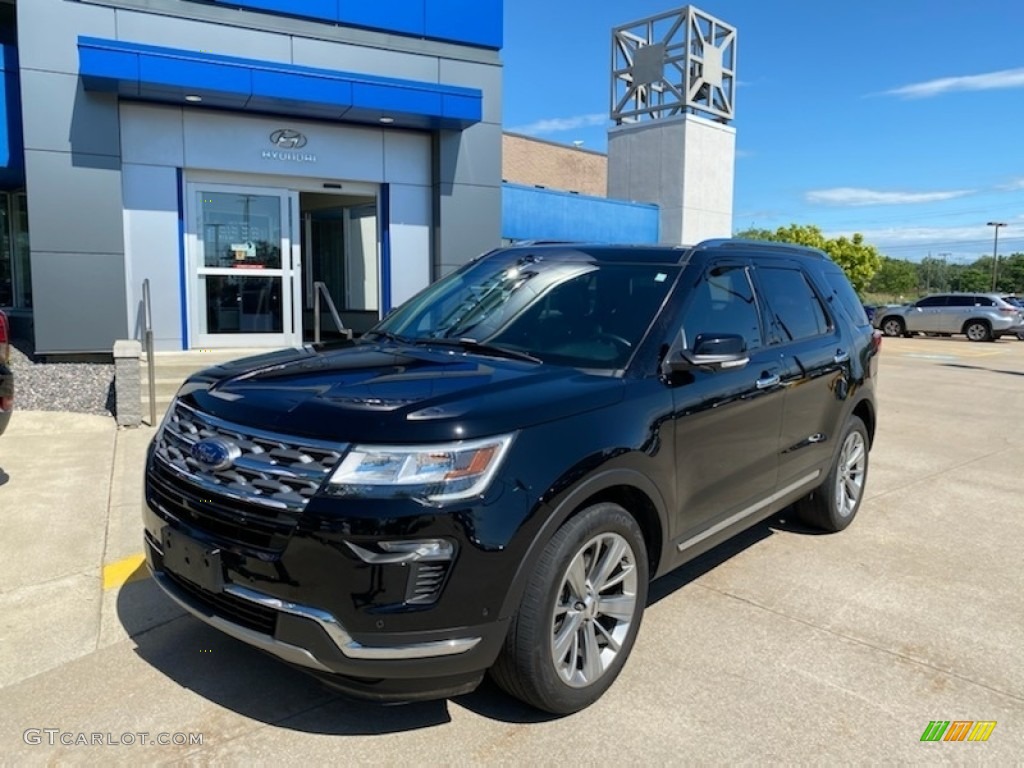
833, 505
579, 615
893, 326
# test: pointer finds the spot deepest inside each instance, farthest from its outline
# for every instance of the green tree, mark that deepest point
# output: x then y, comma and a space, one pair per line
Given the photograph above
895, 277
858, 259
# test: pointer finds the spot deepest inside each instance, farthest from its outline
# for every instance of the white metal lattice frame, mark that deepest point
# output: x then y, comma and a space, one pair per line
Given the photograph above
673, 63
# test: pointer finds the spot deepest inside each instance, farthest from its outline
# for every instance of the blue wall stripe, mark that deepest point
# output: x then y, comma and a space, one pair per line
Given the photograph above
531, 213
182, 261
385, 248
156, 73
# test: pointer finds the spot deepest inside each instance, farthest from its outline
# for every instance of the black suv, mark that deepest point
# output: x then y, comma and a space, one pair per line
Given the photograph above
490, 478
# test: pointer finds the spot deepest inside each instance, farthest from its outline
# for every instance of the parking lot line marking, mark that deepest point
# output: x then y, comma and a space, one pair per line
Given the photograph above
121, 572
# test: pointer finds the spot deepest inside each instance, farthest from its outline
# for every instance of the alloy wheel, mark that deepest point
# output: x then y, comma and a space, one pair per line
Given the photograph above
850, 478
594, 610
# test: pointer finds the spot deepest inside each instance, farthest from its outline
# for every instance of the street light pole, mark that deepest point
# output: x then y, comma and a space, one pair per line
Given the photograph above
995, 250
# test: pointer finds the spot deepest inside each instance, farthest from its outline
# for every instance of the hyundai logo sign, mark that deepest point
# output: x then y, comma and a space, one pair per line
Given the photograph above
288, 139
214, 454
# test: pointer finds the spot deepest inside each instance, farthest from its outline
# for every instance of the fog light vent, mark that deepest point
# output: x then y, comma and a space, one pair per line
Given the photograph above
425, 583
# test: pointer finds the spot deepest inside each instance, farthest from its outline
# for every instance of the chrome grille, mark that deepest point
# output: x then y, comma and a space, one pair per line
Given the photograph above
277, 471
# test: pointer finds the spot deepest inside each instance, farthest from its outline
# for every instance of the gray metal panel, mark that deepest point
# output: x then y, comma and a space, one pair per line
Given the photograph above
153, 135
355, 58
201, 36
48, 33
151, 247
469, 224
74, 204
486, 77
61, 116
302, 28
79, 301
472, 156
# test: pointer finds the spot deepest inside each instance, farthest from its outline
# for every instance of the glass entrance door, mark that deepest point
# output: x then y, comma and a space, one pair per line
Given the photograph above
243, 265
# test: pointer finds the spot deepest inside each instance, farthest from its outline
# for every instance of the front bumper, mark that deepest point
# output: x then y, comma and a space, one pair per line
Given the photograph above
395, 667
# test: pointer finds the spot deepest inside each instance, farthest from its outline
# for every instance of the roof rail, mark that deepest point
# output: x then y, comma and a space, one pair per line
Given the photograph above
739, 242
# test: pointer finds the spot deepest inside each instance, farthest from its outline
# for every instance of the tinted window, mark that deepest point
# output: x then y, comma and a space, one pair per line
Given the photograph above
961, 301
983, 301
795, 308
932, 301
845, 296
723, 302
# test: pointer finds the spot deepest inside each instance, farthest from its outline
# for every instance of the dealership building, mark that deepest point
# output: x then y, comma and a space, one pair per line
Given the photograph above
242, 157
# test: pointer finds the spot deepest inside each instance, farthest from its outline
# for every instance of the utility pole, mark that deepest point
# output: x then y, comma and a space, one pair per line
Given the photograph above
995, 251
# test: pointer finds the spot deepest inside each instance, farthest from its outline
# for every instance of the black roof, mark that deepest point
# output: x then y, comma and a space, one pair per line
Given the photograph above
662, 254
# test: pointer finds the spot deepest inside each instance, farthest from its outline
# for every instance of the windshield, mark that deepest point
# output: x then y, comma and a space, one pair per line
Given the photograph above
564, 309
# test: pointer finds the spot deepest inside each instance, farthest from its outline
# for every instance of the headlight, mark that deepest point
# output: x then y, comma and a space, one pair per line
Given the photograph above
445, 472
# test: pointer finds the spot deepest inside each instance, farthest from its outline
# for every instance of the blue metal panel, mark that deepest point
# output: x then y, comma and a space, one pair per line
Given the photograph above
385, 248
170, 74
469, 22
401, 16
12, 146
530, 213
476, 21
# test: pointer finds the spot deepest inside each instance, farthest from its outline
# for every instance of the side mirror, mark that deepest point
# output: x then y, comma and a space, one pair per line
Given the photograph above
715, 351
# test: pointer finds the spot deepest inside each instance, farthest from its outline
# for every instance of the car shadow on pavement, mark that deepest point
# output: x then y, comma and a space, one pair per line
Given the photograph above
4, 477
235, 676
983, 368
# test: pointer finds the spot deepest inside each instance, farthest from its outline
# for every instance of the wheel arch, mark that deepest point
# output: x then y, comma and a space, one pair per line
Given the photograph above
865, 411
633, 491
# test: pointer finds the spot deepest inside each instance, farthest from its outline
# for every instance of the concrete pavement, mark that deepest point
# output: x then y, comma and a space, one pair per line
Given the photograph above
778, 646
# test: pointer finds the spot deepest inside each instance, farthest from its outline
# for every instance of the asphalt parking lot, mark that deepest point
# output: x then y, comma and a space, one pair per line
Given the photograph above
779, 646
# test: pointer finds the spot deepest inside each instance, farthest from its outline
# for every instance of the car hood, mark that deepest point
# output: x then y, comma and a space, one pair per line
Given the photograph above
394, 393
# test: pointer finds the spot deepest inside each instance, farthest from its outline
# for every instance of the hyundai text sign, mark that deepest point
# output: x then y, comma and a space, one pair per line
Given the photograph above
287, 142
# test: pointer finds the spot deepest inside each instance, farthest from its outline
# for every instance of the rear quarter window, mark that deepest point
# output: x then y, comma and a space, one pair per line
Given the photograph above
841, 292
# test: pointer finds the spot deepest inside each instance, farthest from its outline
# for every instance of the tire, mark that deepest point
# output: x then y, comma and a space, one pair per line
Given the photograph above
977, 330
893, 326
561, 605
833, 505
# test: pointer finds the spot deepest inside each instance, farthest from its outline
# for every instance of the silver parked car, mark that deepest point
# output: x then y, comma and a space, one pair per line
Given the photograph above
978, 316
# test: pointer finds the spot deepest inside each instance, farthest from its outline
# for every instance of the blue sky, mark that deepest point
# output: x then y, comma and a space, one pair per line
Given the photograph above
903, 120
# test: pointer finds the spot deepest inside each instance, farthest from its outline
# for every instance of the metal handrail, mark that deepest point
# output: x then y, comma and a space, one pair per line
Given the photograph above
147, 306
319, 288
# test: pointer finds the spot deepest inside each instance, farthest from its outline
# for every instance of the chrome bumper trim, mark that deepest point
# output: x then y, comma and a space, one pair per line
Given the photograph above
344, 641
286, 651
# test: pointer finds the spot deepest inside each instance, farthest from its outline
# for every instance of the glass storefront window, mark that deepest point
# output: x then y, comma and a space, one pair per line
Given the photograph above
15, 256
241, 231
22, 252
6, 266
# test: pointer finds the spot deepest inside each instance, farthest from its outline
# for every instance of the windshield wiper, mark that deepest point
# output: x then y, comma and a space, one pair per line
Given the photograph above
387, 335
472, 345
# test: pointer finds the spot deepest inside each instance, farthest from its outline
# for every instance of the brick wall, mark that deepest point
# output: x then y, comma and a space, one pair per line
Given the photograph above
542, 163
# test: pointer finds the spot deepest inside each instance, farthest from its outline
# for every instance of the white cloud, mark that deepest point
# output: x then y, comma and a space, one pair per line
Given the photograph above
858, 196
1012, 185
561, 124
1005, 78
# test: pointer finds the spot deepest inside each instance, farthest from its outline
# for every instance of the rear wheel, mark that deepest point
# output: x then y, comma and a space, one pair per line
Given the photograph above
833, 505
579, 615
977, 330
893, 326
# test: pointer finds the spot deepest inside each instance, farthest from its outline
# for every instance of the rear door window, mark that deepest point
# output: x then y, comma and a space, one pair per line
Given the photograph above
794, 306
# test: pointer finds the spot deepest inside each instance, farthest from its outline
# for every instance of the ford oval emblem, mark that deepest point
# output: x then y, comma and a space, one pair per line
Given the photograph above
215, 454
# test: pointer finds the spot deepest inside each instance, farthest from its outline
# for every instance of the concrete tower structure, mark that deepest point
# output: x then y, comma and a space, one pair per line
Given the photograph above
673, 90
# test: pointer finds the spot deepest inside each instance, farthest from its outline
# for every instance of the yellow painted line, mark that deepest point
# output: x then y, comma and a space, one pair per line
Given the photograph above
123, 571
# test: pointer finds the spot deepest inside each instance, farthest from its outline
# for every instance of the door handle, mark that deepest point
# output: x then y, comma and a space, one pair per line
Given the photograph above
841, 356
765, 382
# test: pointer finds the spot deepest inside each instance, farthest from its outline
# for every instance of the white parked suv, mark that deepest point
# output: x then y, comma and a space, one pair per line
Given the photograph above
978, 316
